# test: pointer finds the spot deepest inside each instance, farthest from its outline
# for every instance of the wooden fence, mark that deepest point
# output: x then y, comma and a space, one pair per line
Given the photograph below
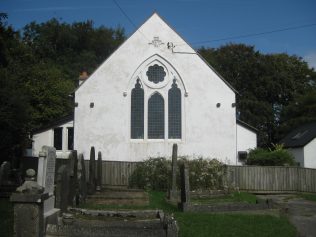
272, 179
249, 178
114, 173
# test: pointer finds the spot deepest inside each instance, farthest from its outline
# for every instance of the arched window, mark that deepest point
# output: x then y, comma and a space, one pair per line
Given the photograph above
137, 112
156, 117
174, 112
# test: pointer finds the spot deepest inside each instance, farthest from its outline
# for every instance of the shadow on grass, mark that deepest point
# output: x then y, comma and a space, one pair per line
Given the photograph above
156, 201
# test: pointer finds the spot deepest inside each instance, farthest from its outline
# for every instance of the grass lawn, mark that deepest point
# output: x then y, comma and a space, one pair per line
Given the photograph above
219, 225
234, 197
6, 218
156, 201
308, 196
191, 224
226, 225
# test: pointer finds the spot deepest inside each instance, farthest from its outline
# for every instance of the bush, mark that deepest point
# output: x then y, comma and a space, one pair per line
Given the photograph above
277, 157
155, 174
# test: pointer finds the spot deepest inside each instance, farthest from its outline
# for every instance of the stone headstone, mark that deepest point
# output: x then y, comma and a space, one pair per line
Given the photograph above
173, 193
99, 172
5, 172
62, 188
46, 178
72, 171
82, 181
46, 169
185, 184
91, 187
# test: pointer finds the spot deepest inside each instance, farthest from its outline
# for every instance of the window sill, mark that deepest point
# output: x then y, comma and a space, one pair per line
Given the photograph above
156, 140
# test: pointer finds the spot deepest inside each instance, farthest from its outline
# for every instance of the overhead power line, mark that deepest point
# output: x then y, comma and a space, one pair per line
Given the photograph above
128, 18
252, 34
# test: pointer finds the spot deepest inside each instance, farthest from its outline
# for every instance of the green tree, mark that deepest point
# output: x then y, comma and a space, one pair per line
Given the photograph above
39, 68
266, 84
300, 111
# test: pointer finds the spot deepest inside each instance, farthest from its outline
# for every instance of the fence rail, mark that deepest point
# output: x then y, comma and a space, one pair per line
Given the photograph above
249, 178
273, 179
115, 173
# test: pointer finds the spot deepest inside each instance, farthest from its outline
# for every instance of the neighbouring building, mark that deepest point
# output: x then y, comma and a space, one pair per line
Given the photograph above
153, 91
301, 142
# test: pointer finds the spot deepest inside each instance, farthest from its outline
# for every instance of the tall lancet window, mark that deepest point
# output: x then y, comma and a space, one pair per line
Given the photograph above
174, 112
156, 117
137, 112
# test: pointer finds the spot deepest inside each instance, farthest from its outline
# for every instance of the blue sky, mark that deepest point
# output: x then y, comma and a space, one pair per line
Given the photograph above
195, 20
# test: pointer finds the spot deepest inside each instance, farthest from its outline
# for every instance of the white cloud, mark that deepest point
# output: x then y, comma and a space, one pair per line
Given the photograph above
311, 59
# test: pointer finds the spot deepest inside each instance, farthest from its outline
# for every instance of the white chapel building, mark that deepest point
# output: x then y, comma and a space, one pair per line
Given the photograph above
152, 92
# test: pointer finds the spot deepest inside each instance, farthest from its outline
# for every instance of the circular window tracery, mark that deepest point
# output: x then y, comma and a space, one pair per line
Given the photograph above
156, 74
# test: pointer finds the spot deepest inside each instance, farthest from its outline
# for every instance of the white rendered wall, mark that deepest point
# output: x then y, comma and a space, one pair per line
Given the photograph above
298, 154
207, 131
41, 139
46, 138
310, 154
246, 139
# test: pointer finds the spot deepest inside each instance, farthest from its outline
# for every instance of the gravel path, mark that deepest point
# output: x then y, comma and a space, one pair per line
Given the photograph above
301, 213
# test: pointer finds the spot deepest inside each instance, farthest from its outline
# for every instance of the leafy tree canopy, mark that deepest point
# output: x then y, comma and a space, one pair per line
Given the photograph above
39, 67
268, 85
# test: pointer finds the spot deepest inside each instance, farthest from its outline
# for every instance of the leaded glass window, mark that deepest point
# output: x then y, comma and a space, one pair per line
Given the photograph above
137, 112
58, 138
156, 117
174, 111
156, 73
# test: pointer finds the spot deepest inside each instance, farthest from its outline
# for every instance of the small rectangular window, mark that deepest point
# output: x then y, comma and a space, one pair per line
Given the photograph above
58, 138
70, 138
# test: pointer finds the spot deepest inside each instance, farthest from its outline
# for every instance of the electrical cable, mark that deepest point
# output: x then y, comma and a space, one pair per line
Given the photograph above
129, 19
250, 35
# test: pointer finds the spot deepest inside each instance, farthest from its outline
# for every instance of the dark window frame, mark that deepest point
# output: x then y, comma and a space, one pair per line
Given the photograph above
58, 138
174, 112
137, 112
70, 143
156, 117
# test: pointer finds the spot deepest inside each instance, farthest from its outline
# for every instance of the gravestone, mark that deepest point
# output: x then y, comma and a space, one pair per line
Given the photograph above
62, 188
5, 172
82, 181
46, 178
185, 186
91, 186
72, 172
173, 193
99, 172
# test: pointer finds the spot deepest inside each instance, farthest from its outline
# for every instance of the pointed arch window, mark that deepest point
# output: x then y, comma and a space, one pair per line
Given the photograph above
137, 112
156, 117
174, 112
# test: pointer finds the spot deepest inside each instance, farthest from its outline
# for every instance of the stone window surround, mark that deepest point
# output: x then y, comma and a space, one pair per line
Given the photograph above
162, 88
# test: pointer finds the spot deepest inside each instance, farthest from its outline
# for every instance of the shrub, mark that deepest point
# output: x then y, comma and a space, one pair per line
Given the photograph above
276, 157
155, 174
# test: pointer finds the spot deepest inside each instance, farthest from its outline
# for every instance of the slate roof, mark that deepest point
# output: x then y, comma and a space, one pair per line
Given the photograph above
54, 123
300, 136
246, 125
